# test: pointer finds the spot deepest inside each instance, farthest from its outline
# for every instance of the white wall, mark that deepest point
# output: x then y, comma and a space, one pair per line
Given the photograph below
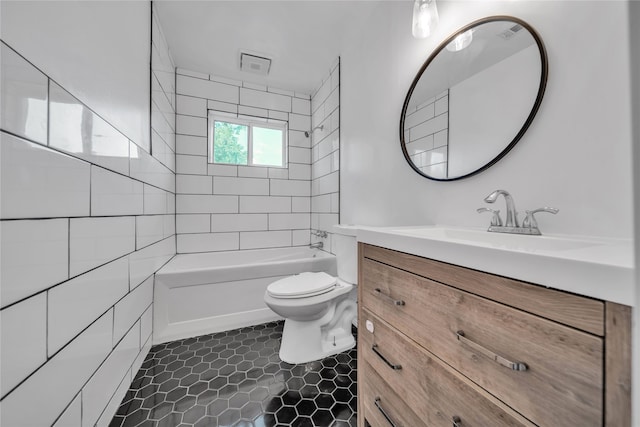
87, 215
229, 207
97, 50
634, 24
575, 156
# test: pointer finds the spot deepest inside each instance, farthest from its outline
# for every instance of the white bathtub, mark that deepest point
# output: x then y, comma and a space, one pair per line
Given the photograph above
203, 293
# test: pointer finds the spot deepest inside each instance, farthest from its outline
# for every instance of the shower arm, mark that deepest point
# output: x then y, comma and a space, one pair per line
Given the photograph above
309, 133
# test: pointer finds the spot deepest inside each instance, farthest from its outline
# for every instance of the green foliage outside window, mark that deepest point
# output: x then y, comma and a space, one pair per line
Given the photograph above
230, 143
244, 142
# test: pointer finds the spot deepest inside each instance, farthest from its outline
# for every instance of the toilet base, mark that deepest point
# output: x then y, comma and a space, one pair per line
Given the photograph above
304, 342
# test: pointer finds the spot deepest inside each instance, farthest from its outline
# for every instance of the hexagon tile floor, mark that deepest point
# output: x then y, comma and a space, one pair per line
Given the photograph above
236, 378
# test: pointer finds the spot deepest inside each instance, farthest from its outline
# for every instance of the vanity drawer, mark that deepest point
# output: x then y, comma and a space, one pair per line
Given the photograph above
562, 385
586, 314
434, 391
383, 407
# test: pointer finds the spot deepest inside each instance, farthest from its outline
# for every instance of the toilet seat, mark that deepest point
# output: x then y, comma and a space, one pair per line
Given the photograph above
302, 285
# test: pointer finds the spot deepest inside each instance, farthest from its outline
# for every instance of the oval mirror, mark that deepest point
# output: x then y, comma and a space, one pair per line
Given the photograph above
473, 98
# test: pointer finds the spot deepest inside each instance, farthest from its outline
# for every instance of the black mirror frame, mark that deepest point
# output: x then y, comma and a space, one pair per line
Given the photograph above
541, 89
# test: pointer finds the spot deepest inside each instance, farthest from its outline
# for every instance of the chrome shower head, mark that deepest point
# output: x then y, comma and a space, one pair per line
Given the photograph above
308, 134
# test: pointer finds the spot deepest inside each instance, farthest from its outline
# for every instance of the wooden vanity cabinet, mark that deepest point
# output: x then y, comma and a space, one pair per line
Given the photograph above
453, 346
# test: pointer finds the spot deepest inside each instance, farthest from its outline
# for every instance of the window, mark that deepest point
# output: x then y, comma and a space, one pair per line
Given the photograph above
243, 140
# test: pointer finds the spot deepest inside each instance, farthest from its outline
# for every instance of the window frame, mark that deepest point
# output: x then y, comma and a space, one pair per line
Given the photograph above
250, 122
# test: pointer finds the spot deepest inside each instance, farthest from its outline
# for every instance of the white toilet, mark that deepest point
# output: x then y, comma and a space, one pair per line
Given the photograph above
318, 308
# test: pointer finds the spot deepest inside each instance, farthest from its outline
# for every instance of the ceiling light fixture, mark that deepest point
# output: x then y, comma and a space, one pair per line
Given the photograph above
461, 41
425, 18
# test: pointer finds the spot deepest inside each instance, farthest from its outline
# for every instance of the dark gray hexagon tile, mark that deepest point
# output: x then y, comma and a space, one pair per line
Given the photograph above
309, 391
207, 397
206, 421
286, 415
229, 417
251, 411
217, 407
239, 400
236, 378
198, 388
194, 414
306, 407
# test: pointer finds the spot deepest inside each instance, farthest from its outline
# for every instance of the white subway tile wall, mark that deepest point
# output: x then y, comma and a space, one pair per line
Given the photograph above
107, 415
96, 241
107, 378
87, 217
24, 97
210, 242
56, 383
76, 303
240, 222
426, 128
34, 256
325, 156
37, 182
114, 194
72, 416
78, 131
234, 207
24, 340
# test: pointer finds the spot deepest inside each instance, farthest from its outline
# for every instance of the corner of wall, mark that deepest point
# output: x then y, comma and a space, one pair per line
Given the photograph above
325, 157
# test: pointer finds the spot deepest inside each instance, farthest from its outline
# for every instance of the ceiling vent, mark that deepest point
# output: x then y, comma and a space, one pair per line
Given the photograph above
254, 64
508, 34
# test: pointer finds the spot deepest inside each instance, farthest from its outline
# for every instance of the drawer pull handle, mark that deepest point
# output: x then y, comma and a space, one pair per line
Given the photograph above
515, 366
384, 413
456, 421
394, 366
394, 301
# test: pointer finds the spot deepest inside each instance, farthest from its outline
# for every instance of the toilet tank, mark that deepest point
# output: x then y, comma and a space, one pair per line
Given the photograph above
345, 248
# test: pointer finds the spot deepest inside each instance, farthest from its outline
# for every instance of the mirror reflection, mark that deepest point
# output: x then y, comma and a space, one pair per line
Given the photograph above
473, 99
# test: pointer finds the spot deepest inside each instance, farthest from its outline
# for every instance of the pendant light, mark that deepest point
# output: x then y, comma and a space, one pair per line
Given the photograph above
461, 41
425, 18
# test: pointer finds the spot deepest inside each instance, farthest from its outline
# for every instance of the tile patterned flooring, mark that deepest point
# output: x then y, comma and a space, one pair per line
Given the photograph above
236, 378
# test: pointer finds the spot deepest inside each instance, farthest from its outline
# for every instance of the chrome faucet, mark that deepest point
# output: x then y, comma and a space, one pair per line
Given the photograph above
320, 233
529, 225
512, 214
530, 220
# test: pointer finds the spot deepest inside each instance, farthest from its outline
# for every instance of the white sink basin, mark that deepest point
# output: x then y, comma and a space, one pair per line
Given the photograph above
518, 242
595, 267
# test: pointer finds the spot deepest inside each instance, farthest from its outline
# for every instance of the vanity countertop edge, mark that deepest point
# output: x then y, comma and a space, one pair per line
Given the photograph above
604, 272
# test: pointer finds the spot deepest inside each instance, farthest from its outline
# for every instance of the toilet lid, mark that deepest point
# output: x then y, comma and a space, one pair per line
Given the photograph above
302, 285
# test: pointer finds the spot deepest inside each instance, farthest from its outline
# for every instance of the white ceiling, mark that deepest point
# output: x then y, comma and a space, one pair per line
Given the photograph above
303, 38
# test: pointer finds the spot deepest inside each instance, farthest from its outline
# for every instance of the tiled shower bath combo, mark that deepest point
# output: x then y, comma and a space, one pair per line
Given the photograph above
89, 213
236, 378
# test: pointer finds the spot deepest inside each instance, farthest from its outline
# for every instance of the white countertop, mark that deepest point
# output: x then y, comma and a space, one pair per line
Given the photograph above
593, 267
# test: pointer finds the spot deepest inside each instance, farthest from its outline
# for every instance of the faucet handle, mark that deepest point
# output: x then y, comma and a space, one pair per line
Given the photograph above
495, 219
530, 220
